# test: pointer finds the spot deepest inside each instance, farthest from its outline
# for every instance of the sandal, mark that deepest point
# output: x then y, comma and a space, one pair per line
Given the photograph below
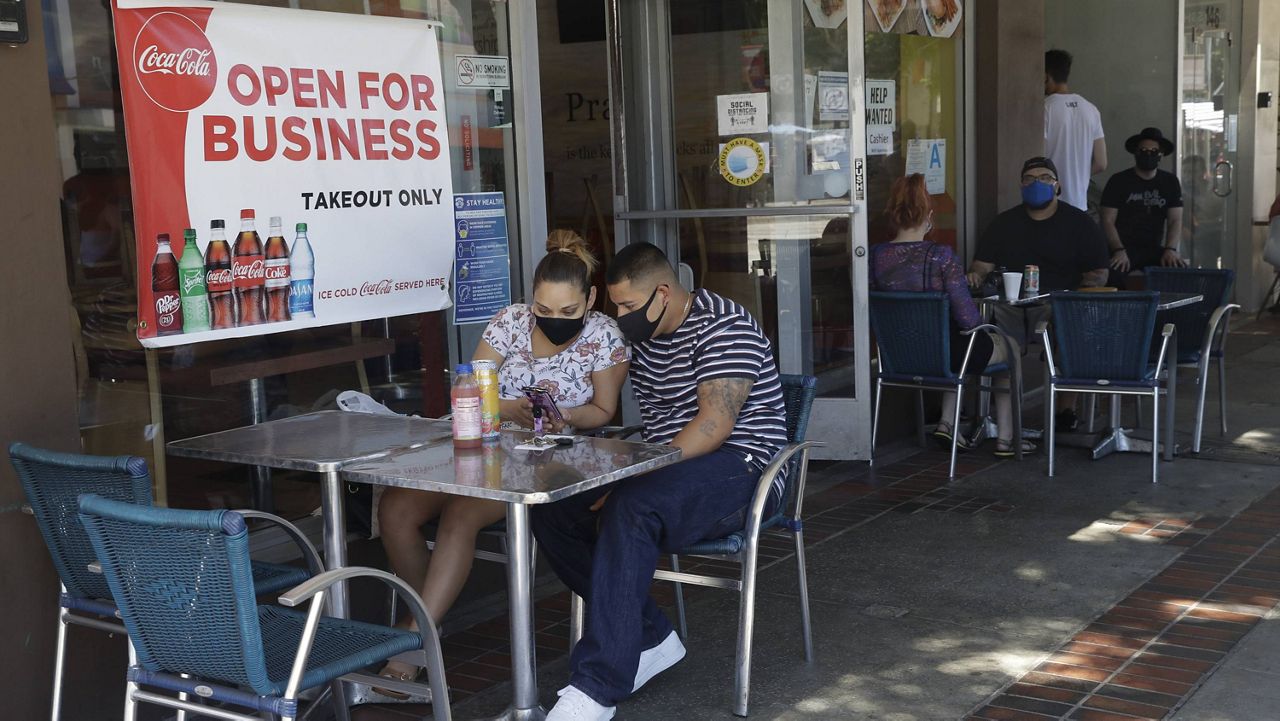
943, 433
1004, 449
388, 673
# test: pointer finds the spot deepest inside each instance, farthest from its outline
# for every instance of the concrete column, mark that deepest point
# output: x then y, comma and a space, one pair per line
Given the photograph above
1009, 87
39, 386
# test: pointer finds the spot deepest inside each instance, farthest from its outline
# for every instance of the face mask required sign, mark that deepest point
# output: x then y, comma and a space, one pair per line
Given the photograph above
315, 143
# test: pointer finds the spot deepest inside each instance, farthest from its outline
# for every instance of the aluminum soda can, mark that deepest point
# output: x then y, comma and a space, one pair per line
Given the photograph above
490, 414
1031, 277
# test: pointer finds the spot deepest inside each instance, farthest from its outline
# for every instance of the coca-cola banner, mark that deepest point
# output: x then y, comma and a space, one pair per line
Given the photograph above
290, 168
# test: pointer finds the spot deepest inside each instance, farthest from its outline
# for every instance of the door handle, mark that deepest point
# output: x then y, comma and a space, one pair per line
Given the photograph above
1223, 170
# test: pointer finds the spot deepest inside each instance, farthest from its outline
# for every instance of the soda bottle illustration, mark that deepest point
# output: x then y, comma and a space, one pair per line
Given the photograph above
277, 274
195, 299
303, 276
248, 273
164, 286
217, 277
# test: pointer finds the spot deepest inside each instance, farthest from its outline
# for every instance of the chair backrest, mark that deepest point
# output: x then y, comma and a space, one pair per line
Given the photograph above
53, 481
913, 333
184, 587
798, 392
1103, 335
1192, 320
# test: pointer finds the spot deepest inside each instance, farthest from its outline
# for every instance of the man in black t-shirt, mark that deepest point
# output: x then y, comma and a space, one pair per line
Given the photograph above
1063, 240
1142, 209
1059, 238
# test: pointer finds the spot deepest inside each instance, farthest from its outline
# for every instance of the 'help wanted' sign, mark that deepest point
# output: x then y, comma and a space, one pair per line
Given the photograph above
743, 114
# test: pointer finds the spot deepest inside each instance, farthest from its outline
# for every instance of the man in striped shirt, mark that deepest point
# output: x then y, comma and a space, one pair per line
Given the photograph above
704, 375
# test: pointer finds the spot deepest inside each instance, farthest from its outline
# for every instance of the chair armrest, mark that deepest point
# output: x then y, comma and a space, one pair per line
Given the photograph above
315, 588
314, 564
616, 432
755, 515
1167, 334
1042, 329
1220, 320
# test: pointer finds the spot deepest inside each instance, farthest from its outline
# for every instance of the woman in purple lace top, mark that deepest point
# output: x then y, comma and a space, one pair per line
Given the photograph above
911, 263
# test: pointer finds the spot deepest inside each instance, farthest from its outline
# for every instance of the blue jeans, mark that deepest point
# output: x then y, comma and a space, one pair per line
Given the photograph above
609, 557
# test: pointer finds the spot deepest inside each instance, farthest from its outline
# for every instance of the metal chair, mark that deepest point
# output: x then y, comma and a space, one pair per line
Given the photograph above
185, 591
1101, 344
1201, 330
913, 344
743, 546
52, 482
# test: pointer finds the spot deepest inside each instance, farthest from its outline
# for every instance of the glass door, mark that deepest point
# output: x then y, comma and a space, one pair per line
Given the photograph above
1210, 121
737, 149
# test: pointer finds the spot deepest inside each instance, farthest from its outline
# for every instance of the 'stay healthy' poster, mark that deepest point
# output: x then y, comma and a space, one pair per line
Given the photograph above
290, 168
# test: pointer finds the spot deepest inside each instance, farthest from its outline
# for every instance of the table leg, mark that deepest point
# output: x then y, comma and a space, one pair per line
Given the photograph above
335, 556
524, 702
260, 480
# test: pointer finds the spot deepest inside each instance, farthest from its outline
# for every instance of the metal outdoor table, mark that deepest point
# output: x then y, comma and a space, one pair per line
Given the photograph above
323, 443
518, 478
1115, 438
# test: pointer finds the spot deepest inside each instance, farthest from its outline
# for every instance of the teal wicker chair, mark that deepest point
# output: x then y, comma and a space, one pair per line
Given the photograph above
185, 591
52, 482
1101, 344
1202, 330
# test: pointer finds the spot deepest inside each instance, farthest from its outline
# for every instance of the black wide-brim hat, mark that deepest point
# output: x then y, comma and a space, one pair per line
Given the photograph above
1166, 145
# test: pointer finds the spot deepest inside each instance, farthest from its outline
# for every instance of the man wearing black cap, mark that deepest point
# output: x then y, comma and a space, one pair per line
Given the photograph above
1142, 209
1062, 239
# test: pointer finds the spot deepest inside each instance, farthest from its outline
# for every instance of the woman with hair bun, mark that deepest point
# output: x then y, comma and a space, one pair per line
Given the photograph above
911, 263
556, 342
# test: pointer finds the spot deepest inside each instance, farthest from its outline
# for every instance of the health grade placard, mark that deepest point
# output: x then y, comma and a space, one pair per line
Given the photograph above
244, 122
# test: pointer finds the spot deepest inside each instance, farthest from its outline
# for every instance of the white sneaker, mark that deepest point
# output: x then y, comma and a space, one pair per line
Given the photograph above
654, 661
575, 705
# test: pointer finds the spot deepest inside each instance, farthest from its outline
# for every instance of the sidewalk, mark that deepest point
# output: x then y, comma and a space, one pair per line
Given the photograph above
1007, 595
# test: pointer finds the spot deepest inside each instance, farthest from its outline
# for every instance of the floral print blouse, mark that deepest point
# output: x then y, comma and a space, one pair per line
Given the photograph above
567, 374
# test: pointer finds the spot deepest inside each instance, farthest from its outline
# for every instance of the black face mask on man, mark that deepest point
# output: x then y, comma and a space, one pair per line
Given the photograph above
561, 330
636, 326
1147, 159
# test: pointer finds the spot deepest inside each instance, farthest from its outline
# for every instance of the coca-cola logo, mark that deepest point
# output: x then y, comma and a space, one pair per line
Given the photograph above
219, 279
250, 272
382, 287
174, 61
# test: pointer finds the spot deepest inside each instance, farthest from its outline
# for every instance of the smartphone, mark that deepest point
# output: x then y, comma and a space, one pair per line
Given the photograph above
540, 398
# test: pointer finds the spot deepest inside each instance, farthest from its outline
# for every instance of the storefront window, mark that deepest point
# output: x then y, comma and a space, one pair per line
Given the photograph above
131, 400
921, 73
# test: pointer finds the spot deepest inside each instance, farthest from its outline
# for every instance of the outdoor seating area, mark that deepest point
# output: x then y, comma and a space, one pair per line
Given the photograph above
889, 557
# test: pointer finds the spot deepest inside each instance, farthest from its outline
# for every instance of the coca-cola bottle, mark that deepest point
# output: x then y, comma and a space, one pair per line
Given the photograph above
302, 272
277, 273
164, 288
248, 273
217, 277
195, 302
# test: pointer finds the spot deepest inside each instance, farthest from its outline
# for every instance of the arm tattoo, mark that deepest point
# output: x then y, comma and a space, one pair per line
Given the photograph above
724, 396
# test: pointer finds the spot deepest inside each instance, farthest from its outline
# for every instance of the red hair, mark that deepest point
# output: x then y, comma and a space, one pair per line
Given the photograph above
909, 203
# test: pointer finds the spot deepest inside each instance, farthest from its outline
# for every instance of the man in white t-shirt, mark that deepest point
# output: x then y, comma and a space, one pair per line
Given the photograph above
1072, 131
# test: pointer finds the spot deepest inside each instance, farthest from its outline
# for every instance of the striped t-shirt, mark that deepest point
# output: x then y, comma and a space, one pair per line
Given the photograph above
719, 339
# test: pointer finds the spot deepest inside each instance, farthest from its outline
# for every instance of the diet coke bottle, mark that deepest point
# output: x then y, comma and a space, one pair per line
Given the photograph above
164, 287
217, 277
248, 273
277, 273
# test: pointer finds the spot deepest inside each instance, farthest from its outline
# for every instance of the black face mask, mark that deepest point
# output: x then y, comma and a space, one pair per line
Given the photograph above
561, 330
1147, 159
636, 326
